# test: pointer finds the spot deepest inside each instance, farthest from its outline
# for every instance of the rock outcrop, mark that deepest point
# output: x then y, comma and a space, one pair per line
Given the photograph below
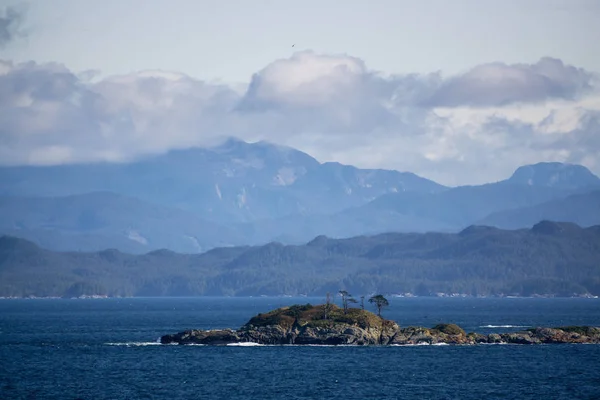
307, 325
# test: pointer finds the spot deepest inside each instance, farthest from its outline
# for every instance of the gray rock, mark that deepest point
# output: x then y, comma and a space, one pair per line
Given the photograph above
322, 332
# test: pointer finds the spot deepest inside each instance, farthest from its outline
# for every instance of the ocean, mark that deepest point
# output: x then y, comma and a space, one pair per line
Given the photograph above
108, 349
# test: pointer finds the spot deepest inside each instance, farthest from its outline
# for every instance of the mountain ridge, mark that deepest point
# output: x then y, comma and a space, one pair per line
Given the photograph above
252, 193
235, 182
555, 174
551, 258
96, 220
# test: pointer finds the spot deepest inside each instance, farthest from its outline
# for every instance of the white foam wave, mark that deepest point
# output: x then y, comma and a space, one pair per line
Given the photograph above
417, 344
245, 344
130, 344
493, 344
503, 326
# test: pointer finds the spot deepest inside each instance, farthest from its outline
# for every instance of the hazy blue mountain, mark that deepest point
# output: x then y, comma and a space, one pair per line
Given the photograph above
455, 208
582, 209
447, 211
233, 182
100, 220
259, 192
549, 259
555, 174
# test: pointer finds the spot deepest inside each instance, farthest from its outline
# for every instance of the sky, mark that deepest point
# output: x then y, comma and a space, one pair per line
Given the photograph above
461, 92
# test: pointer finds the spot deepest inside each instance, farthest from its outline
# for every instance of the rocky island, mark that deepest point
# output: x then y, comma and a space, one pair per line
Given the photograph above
328, 324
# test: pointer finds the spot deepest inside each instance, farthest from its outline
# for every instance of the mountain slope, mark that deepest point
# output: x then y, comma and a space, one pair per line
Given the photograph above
231, 183
555, 174
582, 209
259, 192
447, 211
551, 258
99, 220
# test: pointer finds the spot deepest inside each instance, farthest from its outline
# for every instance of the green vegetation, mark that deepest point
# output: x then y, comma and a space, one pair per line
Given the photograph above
313, 316
549, 259
449, 329
581, 330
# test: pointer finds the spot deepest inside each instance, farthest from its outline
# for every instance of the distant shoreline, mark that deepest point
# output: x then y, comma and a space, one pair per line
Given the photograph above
287, 296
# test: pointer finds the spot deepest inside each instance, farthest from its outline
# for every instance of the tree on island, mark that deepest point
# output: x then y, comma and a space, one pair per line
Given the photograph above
328, 306
352, 300
379, 301
346, 299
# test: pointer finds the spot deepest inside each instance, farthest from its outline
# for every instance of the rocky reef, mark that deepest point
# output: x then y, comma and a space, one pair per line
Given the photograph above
331, 325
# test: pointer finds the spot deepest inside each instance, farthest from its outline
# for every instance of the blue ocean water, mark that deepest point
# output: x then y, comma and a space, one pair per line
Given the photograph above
107, 349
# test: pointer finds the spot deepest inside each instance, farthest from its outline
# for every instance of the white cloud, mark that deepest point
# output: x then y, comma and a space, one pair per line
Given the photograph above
307, 79
484, 124
498, 84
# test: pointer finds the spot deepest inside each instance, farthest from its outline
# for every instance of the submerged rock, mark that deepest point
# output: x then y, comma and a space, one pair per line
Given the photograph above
307, 325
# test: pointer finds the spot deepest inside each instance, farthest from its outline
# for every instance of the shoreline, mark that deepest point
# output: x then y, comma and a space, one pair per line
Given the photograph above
327, 324
95, 297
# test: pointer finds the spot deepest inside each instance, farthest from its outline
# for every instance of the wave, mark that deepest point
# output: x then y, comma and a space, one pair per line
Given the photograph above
131, 344
419, 344
504, 326
245, 344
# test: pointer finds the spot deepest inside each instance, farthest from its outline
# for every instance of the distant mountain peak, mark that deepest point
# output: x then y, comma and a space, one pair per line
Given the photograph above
230, 144
555, 174
13, 243
477, 229
233, 143
553, 227
320, 240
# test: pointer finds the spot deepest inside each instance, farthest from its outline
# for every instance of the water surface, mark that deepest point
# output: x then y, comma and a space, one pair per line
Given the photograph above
106, 349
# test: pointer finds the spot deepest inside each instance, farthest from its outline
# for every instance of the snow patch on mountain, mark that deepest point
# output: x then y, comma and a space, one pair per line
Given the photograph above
137, 237
242, 198
195, 242
285, 176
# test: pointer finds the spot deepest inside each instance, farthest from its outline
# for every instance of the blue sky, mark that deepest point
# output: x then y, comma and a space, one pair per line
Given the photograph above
460, 92
232, 39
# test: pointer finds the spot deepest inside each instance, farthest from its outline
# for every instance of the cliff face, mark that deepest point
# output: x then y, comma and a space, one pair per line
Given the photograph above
306, 325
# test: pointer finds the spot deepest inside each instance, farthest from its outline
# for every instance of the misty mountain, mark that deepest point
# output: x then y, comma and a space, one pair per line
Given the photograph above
231, 183
253, 193
447, 211
582, 209
549, 259
100, 220
556, 175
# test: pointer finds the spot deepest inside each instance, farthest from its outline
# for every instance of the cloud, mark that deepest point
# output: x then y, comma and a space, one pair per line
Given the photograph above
11, 20
580, 145
499, 84
49, 115
307, 80
331, 106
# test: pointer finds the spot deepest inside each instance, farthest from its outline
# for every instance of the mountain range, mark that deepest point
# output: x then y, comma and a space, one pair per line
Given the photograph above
242, 193
550, 258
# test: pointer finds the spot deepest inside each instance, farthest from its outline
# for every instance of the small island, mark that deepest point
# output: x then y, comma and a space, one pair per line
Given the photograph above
328, 324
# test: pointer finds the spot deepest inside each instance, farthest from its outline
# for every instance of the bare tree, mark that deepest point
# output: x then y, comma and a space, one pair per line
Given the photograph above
345, 295
379, 301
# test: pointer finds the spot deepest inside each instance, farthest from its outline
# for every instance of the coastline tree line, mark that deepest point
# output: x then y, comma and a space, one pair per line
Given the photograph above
377, 300
553, 259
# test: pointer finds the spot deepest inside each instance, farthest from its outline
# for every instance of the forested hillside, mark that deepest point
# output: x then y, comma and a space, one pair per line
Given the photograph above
551, 258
